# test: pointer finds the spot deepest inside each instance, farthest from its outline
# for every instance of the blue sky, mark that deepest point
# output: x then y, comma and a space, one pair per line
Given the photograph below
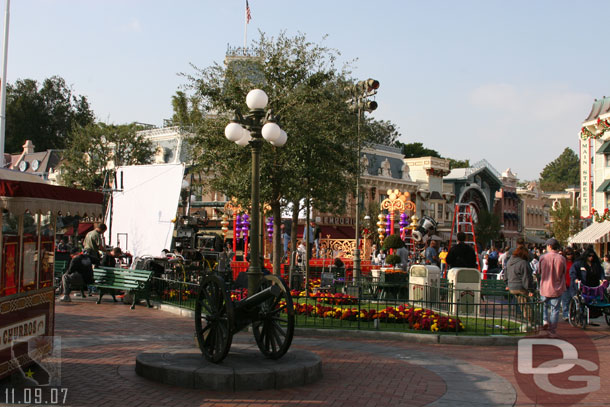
508, 81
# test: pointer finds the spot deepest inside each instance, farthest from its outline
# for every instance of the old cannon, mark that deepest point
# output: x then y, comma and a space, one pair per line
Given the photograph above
218, 318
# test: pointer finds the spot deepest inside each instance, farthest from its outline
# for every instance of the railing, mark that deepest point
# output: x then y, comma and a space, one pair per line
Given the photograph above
179, 293
374, 305
331, 248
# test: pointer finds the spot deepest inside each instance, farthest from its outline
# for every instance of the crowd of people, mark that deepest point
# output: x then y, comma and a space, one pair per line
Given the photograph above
554, 274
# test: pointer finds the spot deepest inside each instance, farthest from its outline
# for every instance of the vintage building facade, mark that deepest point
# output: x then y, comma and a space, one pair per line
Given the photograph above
535, 209
508, 207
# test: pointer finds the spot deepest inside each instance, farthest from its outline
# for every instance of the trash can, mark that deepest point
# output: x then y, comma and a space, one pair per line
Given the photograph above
424, 285
466, 290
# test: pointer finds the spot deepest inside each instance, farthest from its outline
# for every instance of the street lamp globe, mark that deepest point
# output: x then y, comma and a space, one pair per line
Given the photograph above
234, 131
281, 140
256, 99
245, 139
271, 132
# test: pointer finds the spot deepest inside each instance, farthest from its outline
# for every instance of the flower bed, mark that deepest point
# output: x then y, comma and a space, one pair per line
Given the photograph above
418, 318
327, 298
174, 295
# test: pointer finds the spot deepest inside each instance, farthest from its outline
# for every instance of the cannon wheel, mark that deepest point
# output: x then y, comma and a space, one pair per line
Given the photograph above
215, 308
274, 328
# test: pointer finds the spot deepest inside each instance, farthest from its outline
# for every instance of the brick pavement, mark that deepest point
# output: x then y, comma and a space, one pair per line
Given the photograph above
100, 343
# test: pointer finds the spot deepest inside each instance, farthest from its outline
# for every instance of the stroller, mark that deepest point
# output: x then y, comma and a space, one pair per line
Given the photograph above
589, 302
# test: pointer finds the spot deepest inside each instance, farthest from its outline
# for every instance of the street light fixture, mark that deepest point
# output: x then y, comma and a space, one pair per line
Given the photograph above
361, 92
251, 129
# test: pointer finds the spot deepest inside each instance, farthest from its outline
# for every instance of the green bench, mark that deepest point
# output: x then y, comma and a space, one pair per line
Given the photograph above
59, 268
494, 288
108, 280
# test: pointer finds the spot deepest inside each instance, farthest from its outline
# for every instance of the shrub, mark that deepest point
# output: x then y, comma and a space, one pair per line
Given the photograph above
392, 259
392, 242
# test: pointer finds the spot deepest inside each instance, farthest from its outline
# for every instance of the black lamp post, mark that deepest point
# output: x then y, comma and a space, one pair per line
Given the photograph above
362, 91
251, 129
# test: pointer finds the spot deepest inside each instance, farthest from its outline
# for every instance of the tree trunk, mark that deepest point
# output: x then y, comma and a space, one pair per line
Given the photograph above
277, 238
293, 234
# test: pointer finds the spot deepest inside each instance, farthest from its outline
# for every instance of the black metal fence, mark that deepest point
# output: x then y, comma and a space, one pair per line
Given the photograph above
372, 305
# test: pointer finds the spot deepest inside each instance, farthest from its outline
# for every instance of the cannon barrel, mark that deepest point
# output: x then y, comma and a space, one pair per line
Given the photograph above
259, 297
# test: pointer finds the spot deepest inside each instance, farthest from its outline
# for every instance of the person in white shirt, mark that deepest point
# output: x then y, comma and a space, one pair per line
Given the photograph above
381, 258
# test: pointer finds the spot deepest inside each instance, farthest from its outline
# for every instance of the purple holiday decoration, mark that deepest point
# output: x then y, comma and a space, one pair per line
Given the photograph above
245, 221
388, 224
270, 227
238, 227
403, 222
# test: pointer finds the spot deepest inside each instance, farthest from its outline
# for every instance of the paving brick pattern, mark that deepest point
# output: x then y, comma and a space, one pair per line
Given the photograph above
101, 342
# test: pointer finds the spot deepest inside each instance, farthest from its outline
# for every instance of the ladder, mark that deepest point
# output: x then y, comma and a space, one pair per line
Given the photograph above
407, 237
462, 222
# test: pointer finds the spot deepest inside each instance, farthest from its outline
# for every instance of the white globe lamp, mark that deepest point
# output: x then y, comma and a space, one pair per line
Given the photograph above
234, 131
281, 140
242, 142
271, 132
256, 99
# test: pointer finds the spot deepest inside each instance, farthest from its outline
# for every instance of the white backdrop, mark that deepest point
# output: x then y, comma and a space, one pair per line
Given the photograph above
144, 210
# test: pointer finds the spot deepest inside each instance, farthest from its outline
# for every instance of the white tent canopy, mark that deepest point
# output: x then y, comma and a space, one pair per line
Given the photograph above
598, 232
143, 213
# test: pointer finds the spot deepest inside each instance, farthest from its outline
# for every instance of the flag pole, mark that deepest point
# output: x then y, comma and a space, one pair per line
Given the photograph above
3, 85
245, 26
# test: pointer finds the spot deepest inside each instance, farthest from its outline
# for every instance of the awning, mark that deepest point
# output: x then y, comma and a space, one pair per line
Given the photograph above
534, 239
335, 232
605, 148
83, 228
598, 232
604, 187
18, 196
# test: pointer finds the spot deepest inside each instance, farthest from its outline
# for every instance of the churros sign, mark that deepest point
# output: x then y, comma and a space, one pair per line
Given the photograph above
22, 331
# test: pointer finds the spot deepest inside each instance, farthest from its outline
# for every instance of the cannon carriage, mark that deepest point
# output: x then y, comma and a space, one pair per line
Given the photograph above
217, 317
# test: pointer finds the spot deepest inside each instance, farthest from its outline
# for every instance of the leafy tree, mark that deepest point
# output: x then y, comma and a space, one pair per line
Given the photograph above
561, 172
309, 94
458, 163
565, 221
186, 110
414, 150
44, 114
487, 228
92, 147
381, 132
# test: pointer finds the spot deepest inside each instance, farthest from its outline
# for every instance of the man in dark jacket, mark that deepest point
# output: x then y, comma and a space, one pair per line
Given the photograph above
79, 274
109, 259
461, 255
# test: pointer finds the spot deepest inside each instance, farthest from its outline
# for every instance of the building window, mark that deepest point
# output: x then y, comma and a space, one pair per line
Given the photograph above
607, 158
435, 211
607, 199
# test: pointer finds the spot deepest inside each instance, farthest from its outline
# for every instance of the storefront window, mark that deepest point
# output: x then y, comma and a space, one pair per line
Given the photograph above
10, 254
30, 252
47, 247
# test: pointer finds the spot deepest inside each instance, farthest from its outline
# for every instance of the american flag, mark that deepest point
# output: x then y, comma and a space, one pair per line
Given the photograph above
248, 15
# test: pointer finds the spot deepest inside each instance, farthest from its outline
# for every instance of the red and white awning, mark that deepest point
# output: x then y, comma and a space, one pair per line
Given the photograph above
21, 192
598, 232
